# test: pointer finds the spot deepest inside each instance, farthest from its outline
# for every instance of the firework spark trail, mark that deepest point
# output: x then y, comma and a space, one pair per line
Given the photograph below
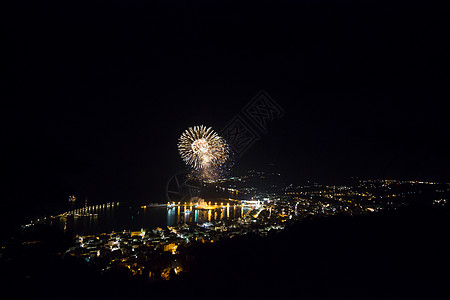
205, 152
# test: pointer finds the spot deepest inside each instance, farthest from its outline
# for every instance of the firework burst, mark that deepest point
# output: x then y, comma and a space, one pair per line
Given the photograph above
205, 152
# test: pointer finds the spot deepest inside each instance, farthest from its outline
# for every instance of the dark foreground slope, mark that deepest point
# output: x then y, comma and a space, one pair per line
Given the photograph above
397, 254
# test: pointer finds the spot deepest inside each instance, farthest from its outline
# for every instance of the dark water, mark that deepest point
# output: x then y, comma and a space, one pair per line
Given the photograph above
126, 217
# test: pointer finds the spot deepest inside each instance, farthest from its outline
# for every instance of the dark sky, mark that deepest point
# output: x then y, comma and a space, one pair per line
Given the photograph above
98, 92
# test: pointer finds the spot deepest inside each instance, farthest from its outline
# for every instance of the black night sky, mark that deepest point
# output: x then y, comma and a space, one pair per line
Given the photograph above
97, 93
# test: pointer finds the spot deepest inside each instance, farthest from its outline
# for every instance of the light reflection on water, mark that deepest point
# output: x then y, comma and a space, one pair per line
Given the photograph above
180, 214
126, 217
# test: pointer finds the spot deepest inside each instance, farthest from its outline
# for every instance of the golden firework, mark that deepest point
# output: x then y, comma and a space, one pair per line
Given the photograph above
205, 152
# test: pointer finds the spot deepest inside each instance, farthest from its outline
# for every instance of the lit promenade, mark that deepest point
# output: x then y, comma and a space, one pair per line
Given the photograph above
88, 209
